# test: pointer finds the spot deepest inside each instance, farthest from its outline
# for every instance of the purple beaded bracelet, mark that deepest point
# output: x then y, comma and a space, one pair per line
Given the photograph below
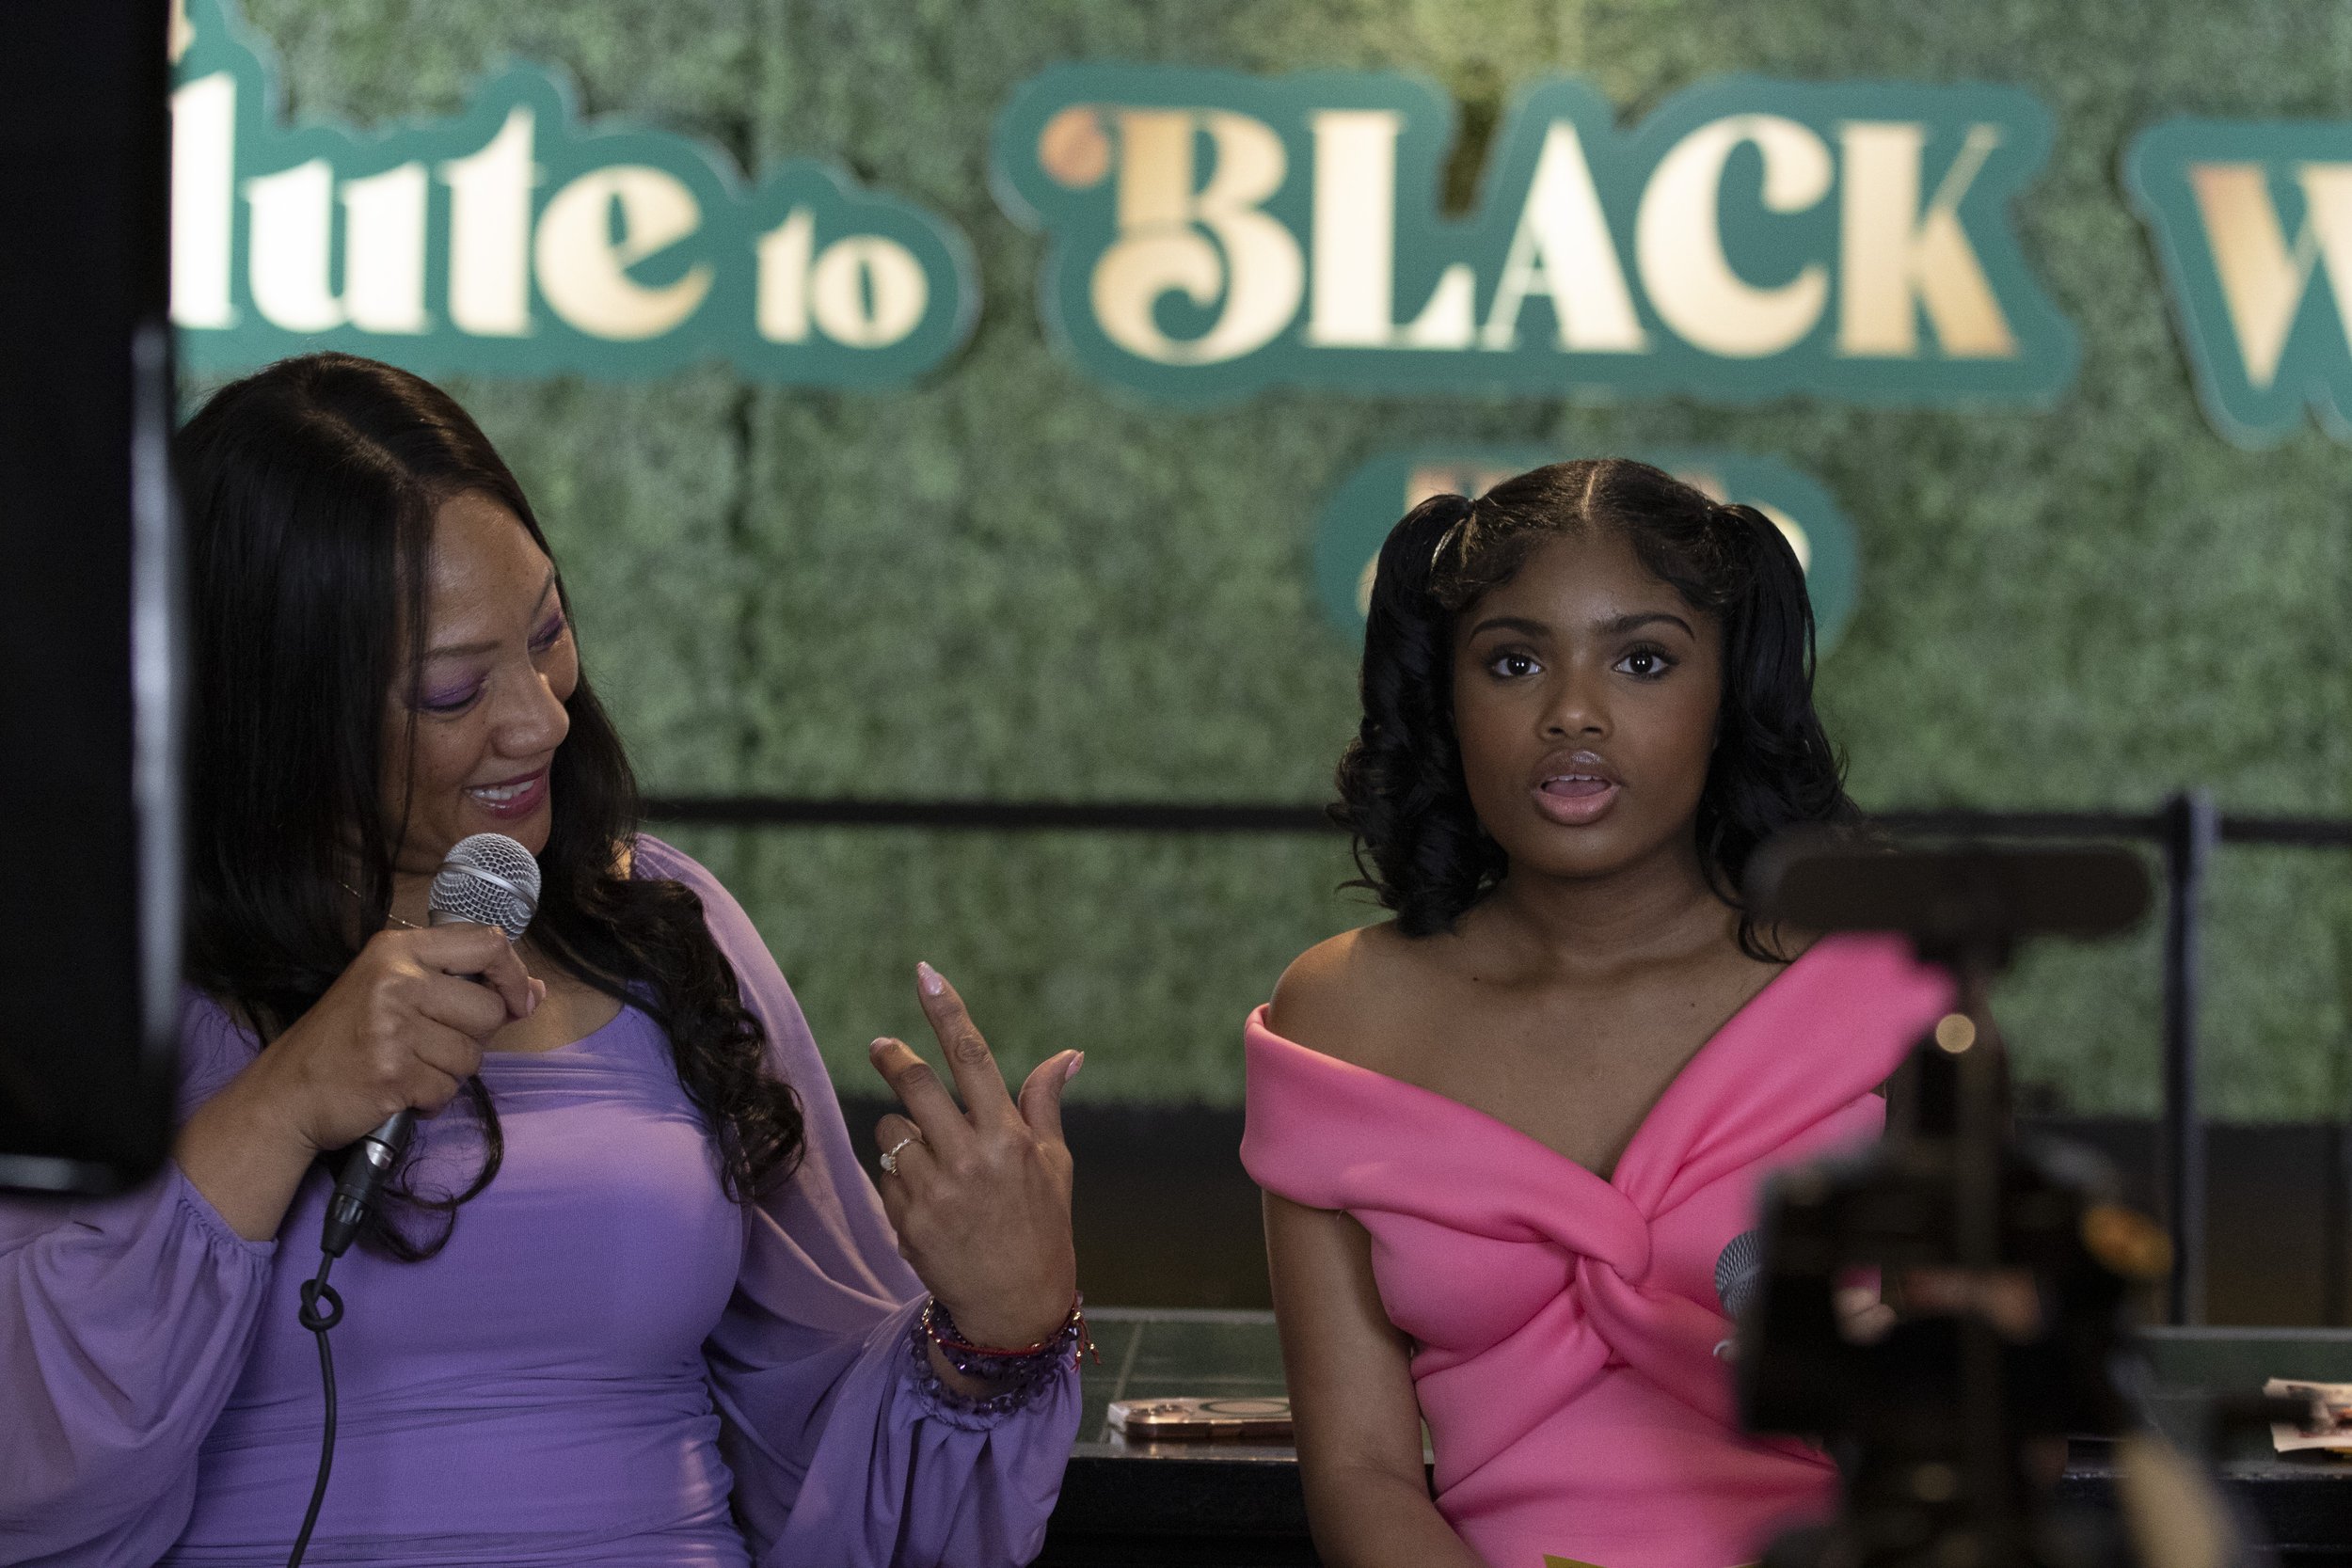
1007, 1366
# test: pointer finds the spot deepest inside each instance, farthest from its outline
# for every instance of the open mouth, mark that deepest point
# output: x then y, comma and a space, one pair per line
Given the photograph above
512, 798
1576, 797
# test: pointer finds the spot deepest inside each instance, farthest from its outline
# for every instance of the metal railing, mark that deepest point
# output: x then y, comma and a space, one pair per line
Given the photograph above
2184, 830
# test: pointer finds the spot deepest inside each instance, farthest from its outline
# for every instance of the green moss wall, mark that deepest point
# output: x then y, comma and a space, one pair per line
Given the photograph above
1015, 582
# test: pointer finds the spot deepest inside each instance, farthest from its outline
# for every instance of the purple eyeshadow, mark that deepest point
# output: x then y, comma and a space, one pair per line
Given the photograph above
458, 696
454, 697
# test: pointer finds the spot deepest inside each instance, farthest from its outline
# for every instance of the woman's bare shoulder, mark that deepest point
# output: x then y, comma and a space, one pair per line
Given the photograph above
1349, 997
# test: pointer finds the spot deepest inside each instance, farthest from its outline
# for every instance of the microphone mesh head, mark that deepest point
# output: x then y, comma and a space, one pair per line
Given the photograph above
489, 879
1739, 1271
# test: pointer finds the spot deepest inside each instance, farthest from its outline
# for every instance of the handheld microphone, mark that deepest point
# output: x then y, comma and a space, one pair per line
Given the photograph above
1739, 1274
488, 879
1738, 1271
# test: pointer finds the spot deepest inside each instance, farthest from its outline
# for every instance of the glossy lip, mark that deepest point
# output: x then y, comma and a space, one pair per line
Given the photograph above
530, 800
1575, 811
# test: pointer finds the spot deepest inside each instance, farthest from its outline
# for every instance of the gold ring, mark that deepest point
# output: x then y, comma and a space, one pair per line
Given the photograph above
890, 1155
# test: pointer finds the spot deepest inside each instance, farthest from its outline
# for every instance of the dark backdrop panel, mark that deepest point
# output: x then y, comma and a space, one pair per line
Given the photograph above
82, 140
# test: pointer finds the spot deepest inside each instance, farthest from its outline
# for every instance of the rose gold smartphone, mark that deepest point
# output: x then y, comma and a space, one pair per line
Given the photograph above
1197, 1421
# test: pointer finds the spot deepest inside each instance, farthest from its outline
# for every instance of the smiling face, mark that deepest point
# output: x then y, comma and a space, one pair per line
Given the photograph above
488, 713
1585, 693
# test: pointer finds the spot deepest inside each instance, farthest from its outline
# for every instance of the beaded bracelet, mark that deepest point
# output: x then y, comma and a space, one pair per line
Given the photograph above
1008, 1366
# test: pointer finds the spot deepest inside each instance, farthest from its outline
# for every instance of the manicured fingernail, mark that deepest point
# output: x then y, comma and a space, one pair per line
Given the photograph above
1077, 1060
932, 983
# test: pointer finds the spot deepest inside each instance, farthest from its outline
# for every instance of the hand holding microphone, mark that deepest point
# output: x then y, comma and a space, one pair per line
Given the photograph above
401, 1028
487, 884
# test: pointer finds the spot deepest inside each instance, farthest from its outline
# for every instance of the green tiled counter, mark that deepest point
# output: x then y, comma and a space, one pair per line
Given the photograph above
1238, 1506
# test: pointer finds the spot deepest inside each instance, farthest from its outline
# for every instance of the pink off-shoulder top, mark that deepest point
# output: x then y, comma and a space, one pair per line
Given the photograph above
1564, 1326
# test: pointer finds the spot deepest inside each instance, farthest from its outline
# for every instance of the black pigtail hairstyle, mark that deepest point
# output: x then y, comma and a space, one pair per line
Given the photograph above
1419, 845
1418, 842
1773, 766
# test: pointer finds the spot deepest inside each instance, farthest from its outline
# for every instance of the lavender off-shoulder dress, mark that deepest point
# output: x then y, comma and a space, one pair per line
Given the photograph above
610, 1363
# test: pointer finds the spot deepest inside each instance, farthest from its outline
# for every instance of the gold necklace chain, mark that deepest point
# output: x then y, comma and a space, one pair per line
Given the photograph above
409, 925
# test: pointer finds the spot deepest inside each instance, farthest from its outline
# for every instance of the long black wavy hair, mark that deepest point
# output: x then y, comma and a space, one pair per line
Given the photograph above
310, 490
1419, 843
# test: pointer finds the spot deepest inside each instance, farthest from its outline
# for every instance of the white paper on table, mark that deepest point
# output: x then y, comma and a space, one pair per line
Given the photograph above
2336, 1397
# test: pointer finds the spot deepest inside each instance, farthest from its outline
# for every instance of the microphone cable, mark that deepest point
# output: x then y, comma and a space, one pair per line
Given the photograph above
322, 1309
487, 878
366, 1167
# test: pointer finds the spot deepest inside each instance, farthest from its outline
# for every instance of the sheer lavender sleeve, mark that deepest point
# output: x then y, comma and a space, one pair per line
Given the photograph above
124, 1324
842, 1451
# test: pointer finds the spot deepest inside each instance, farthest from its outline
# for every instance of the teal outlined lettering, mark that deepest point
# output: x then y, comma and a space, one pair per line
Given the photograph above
1214, 232
2252, 225
516, 239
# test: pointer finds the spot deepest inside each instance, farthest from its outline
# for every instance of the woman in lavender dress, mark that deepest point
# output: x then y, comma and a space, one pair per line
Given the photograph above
633, 1299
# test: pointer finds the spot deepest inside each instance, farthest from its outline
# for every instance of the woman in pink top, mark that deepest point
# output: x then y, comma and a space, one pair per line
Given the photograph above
1507, 1135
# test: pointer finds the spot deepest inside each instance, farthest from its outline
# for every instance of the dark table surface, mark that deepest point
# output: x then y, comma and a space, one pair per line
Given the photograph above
1238, 1505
